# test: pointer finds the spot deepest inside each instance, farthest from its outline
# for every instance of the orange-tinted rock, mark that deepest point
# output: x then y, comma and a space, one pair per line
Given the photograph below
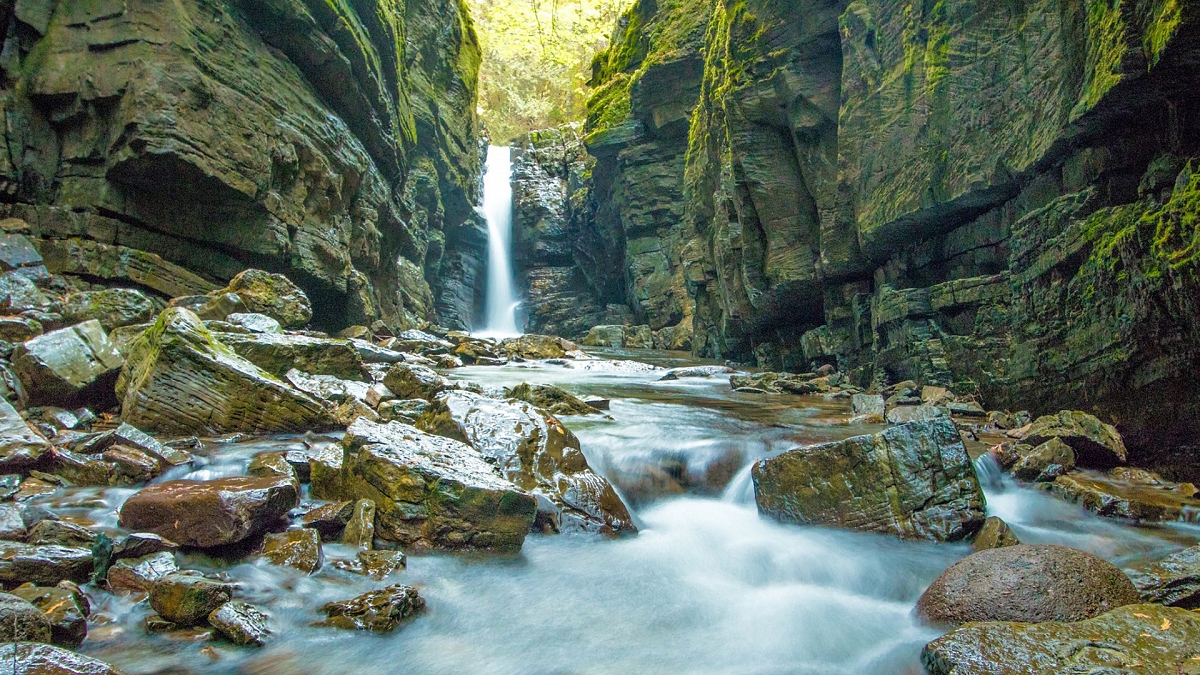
210, 513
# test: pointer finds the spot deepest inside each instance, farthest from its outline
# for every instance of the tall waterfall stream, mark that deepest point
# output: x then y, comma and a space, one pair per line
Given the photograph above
500, 303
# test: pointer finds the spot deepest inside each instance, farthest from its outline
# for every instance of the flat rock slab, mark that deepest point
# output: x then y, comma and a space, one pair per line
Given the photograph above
66, 609
43, 659
1097, 445
43, 565
180, 379
210, 513
915, 481
279, 353
1174, 581
20, 446
432, 492
241, 623
378, 611
300, 549
1131, 639
1113, 497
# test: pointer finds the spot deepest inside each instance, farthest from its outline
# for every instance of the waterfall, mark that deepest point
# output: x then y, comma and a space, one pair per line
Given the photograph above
501, 301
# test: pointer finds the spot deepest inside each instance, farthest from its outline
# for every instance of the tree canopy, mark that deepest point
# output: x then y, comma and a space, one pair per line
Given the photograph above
537, 57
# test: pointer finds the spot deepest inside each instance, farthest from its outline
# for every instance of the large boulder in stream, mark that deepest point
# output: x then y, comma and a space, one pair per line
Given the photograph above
179, 378
1096, 445
210, 513
1028, 582
537, 453
432, 492
1149, 639
915, 481
271, 294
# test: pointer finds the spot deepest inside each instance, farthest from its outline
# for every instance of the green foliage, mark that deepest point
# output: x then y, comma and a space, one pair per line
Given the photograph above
537, 60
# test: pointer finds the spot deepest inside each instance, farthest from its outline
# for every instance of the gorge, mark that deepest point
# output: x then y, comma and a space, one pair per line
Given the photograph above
835, 336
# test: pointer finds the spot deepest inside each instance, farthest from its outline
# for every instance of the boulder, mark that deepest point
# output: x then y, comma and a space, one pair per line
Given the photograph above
300, 549
538, 454
538, 347
180, 379
867, 404
12, 523
69, 366
279, 353
551, 399
360, 529
1129, 495
915, 481
353, 409
402, 410
904, 414
408, 381
137, 575
42, 659
1027, 582
1035, 462
112, 307
20, 620
329, 520
210, 513
16, 329
19, 294
605, 336
43, 565
325, 472
271, 294
1097, 445
1173, 581
378, 611
1149, 639
187, 598
61, 533
64, 607
241, 623
255, 323
20, 446
995, 533
432, 492
780, 383
333, 389
695, 372
272, 464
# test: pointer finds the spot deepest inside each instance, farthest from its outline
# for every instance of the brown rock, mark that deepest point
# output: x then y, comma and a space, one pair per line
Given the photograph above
137, 575
995, 533
378, 611
1032, 583
241, 623
300, 549
1097, 445
22, 621
360, 529
188, 598
42, 659
64, 606
210, 513
329, 519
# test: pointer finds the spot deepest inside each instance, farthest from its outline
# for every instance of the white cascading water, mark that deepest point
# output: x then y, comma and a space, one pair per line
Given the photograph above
500, 307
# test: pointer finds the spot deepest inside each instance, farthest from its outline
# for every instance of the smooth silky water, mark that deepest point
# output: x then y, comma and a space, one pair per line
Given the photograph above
707, 586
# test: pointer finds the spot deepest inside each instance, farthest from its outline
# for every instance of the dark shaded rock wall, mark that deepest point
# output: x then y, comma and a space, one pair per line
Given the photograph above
333, 141
996, 197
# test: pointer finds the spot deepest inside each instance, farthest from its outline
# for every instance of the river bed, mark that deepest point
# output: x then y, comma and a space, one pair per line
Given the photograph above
707, 586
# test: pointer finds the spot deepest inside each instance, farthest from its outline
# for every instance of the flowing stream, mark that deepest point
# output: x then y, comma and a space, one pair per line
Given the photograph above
500, 303
707, 586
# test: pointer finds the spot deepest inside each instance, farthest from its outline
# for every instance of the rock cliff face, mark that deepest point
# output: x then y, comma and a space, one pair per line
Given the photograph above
330, 140
995, 197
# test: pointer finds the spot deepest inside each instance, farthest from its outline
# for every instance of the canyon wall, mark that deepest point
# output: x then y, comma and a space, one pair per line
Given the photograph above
335, 141
998, 197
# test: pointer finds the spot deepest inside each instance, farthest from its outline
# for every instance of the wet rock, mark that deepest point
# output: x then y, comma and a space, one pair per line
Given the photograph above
353, 409
61, 533
20, 620
538, 454
1033, 583
16, 251
255, 323
20, 446
402, 410
374, 564
140, 544
42, 659
180, 379
300, 549
538, 347
16, 329
330, 388
9, 484
867, 404
137, 575
130, 436
278, 353
64, 607
780, 383
1097, 445
415, 341
1173, 581
605, 336
360, 529
597, 403
68, 366
187, 598
904, 414
241, 623
112, 307
551, 399
131, 466
33, 487
915, 481
695, 371
329, 520
432, 492
271, 294
378, 611
965, 409
411, 381
1131, 639
995, 533
1125, 495
12, 524
272, 464
1038, 459
325, 471
43, 565
19, 294
210, 513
